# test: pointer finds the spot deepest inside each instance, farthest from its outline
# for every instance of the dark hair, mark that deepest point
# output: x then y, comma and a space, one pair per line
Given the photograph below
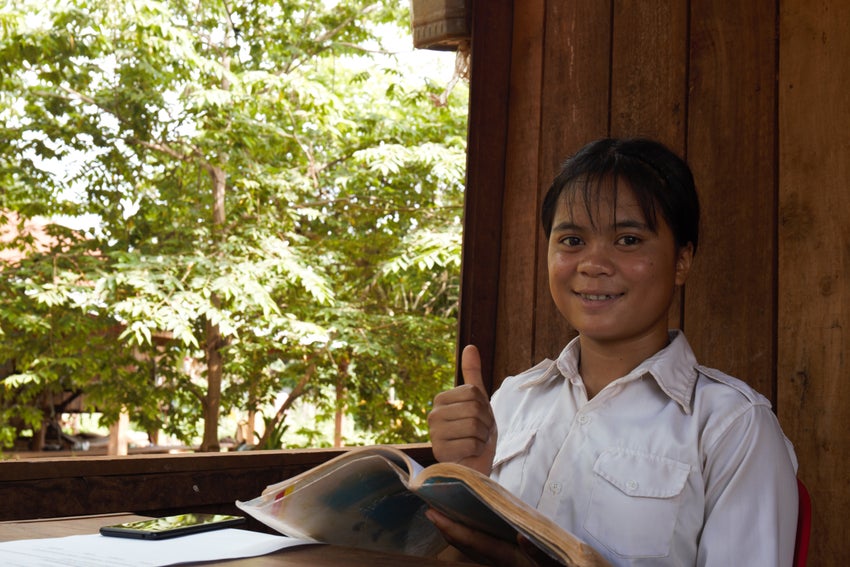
660, 179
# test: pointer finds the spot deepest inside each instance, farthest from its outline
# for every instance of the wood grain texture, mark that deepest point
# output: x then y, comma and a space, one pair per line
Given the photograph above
521, 232
486, 147
152, 484
649, 71
730, 298
814, 260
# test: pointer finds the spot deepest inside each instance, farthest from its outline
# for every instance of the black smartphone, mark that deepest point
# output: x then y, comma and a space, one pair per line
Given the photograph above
172, 526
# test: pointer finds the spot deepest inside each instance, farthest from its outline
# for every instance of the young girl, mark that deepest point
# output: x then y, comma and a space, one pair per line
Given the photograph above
625, 440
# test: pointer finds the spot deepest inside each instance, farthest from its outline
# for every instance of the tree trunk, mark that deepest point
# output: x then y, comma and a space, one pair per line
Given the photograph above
212, 401
340, 389
341, 381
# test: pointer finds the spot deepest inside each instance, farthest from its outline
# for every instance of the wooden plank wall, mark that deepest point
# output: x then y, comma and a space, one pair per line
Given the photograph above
154, 485
813, 362
756, 96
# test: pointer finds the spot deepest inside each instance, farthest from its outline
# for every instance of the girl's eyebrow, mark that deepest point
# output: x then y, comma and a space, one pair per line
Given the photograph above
566, 226
569, 225
629, 223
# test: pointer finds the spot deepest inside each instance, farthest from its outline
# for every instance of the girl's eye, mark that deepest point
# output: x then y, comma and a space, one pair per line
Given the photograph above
571, 241
629, 240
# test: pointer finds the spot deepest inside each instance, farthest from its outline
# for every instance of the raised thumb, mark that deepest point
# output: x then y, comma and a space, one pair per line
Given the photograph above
470, 366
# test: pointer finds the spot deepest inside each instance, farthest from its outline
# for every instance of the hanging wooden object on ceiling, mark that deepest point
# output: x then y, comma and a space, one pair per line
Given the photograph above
441, 25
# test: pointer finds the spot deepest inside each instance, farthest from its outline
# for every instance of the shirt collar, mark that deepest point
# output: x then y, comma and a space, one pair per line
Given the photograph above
673, 368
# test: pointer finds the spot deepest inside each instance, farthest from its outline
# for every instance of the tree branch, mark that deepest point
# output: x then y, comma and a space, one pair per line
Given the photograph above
331, 33
162, 147
296, 393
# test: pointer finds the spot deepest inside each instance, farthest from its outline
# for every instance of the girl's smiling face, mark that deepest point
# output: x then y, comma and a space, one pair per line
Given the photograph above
611, 276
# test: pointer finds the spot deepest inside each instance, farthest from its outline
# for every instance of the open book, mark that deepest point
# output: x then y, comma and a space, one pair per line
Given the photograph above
376, 498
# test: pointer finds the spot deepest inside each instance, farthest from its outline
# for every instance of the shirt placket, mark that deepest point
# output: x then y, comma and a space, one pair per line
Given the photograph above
574, 416
569, 483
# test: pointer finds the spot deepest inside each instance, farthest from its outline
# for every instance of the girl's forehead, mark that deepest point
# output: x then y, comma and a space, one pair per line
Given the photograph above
601, 203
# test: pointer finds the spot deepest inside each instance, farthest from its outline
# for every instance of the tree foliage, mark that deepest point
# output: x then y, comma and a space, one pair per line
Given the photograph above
276, 206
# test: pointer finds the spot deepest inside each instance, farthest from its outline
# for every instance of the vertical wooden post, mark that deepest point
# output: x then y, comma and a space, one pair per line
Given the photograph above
485, 178
118, 442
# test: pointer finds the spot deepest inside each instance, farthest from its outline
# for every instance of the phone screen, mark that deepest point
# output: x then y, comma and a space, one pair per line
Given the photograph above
172, 526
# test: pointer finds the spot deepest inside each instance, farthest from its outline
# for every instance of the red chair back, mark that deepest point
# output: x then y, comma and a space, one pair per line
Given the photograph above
804, 526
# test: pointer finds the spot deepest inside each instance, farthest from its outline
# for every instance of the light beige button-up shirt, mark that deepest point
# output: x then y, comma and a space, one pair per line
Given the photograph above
673, 464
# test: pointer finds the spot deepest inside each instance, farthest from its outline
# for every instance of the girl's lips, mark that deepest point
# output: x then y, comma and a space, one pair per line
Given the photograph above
598, 296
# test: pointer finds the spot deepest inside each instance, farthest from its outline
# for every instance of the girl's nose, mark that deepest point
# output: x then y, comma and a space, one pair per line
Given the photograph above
596, 261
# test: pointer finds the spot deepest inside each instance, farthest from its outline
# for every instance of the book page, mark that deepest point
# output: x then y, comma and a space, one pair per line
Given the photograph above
455, 500
96, 550
482, 504
363, 503
407, 467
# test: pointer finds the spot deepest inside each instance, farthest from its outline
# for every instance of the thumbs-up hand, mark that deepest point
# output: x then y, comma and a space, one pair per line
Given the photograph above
461, 425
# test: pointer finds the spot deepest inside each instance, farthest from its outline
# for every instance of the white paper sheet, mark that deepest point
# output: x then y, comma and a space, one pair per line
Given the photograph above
102, 551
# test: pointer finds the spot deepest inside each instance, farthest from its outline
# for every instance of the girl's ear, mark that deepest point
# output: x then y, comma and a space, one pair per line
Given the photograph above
683, 262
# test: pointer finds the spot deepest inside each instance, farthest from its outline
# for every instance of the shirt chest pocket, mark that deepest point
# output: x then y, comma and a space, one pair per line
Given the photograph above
512, 445
510, 465
635, 502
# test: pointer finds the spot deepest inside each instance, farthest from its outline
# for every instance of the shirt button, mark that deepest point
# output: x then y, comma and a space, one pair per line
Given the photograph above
555, 487
632, 485
584, 419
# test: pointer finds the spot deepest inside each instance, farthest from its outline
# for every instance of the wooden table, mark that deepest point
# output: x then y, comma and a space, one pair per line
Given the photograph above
313, 555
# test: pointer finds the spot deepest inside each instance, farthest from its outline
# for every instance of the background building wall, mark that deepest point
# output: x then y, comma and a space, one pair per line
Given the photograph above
756, 96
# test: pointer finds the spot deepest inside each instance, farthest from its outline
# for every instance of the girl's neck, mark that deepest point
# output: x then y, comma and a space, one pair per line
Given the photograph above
600, 363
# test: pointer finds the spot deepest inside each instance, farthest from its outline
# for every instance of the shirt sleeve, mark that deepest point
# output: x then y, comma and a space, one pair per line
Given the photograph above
750, 494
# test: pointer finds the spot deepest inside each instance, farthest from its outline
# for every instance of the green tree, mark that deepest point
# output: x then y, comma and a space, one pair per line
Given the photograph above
272, 213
